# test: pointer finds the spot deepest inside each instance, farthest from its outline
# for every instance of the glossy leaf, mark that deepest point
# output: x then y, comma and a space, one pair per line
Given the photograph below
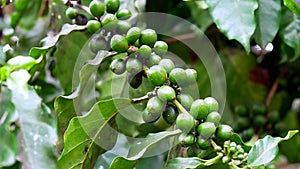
36, 137
268, 21
90, 135
235, 19
140, 147
266, 149
293, 6
238, 140
8, 139
51, 40
290, 32
123, 163
21, 62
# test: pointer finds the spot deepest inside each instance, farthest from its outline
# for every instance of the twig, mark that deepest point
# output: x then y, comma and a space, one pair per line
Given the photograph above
275, 86
43, 8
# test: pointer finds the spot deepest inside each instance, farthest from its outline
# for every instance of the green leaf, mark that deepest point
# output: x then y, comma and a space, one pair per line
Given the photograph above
122, 163
8, 139
36, 137
236, 138
65, 111
268, 21
183, 163
290, 32
141, 146
266, 149
50, 41
90, 135
235, 19
293, 6
68, 61
21, 62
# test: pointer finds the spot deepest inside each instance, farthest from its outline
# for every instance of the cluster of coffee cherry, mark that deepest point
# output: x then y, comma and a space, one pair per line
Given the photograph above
145, 59
256, 120
234, 154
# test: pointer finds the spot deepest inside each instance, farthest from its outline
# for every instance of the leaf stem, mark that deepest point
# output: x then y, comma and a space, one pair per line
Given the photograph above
180, 107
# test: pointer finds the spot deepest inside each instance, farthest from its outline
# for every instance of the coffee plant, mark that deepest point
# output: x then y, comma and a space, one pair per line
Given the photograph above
149, 84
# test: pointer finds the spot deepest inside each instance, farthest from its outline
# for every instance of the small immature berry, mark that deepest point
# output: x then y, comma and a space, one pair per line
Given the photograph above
134, 66
167, 64
170, 114
145, 51
212, 104
93, 26
72, 13
206, 129
133, 34
97, 8
119, 43
112, 6
199, 109
186, 140
118, 66
123, 14
160, 47
148, 37
186, 100
185, 122
157, 75
214, 117
178, 76
166, 93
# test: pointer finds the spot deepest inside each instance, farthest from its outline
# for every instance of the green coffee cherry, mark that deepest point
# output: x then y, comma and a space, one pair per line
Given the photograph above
243, 123
135, 80
123, 14
154, 59
112, 6
166, 93
274, 117
259, 109
186, 140
133, 34
109, 22
214, 117
98, 43
170, 114
97, 8
199, 109
206, 129
224, 131
123, 27
160, 48
259, 120
81, 19
203, 144
212, 103
145, 51
191, 76
241, 110
157, 75
167, 64
72, 13
148, 37
185, 122
186, 100
119, 43
155, 105
93, 26
178, 76
150, 117
134, 66
246, 135
118, 66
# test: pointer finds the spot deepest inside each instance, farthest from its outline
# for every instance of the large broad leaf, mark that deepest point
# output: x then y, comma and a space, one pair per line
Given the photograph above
193, 162
266, 149
8, 141
235, 19
141, 146
90, 135
36, 138
51, 40
293, 6
290, 32
268, 21
67, 60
